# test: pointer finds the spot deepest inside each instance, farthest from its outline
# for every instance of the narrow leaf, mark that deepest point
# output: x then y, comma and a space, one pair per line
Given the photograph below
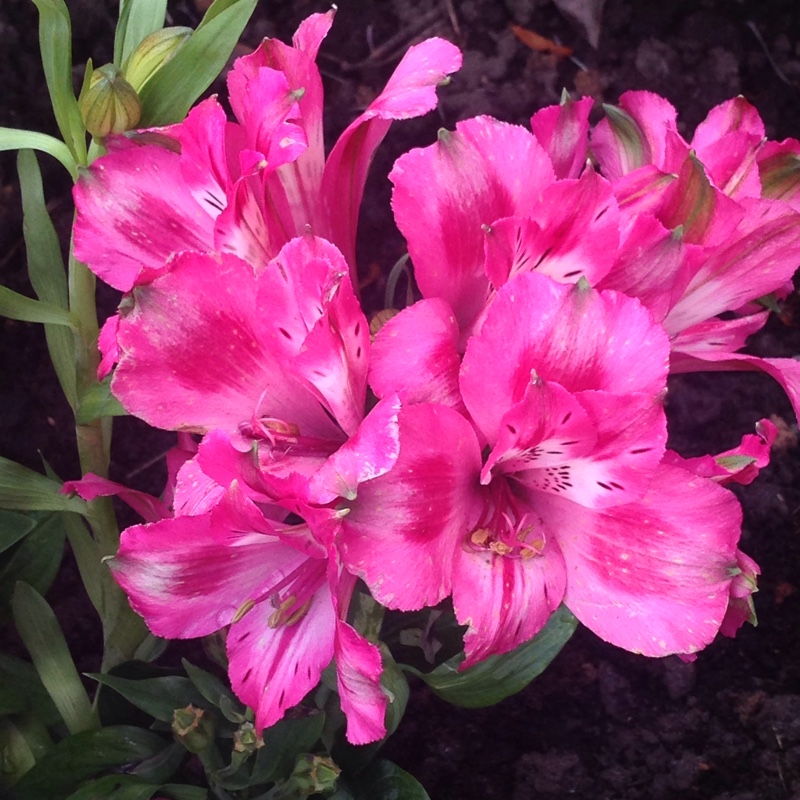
16, 306
210, 686
17, 755
158, 697
13, 527
83, 756
21, 690
46, 269
55, 43
498, 677
41, 633
137, 19
383, 780
116, 787
170, 93
13, 139
97, 401
35, 560
23, 489
282, 742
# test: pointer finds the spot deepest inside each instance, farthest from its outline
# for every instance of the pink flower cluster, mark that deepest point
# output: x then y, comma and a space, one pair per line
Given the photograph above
502, 441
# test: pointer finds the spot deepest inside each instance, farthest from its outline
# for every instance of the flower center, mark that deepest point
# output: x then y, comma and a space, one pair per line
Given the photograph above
507, 526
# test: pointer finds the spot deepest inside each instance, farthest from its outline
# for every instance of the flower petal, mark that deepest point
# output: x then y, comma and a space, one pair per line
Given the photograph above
401, 531
571, 335
410, 92
445, 194
653, 576
134, 210
505, 601
415, 355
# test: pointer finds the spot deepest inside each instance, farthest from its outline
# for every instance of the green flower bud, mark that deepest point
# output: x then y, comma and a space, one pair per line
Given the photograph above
192, 728
313, 775
246, 739
153, 52
109, 103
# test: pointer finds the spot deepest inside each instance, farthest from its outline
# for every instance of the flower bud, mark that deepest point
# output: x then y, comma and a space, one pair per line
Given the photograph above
192, 728
153, 52
313, 775
109, 104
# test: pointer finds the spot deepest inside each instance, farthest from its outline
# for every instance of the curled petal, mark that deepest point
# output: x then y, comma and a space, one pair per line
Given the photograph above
410, 92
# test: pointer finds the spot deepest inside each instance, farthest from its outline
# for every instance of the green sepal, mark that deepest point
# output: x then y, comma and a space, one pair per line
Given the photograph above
97, 401
55, 43
46, 270
22, 489
629, 136
171, 92
41, 633
137, 19
14, 139
498, 677
79, 758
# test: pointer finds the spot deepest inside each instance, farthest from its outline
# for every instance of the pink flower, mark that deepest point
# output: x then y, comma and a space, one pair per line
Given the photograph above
569, 501
236, 563
246, 187
490, 206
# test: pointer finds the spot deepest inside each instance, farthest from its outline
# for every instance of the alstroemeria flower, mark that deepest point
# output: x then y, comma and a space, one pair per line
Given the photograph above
281, 592
490, 207
246, 187
723, 241
568, 502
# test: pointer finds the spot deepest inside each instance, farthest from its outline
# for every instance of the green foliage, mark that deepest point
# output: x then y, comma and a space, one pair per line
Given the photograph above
171, 92
498, 677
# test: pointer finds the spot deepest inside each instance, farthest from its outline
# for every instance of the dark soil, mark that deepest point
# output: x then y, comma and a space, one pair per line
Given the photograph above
600, 724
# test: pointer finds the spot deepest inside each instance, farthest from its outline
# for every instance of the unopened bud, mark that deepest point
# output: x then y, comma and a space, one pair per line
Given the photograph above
193, 728
246, 739
153, 52
314, 775
109, 104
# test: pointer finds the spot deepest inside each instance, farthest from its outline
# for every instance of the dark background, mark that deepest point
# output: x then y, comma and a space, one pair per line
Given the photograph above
601, 724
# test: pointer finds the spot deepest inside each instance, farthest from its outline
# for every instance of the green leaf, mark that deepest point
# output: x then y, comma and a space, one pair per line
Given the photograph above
16, 755
179, 792
13, 527
282, 744
383, 780
55, 43
210, 686
116, 787
35, 560
137, 19
46, 270
170, 93
16, 306
22, 690
97, 401
22, 489
498, 677
14, 139
84, 756
41, 633
158, 697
